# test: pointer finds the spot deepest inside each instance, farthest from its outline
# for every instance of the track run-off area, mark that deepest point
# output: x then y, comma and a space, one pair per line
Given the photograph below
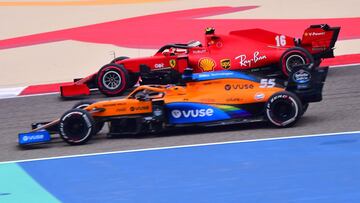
320, 168
313, 168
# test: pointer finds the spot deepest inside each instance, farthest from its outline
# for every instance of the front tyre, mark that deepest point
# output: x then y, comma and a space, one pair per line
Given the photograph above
283, 109
112, 79
120, 58
134, 77
294, 57
82, 105
76, 126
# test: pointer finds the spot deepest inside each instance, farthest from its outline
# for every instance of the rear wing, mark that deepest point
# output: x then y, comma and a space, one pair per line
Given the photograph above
307, 82
320, 40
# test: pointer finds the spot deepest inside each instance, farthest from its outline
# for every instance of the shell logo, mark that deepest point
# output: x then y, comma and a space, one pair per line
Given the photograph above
207, 64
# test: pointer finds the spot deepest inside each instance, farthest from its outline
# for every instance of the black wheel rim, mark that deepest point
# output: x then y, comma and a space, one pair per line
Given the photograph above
282, 110
75, 128
294, 60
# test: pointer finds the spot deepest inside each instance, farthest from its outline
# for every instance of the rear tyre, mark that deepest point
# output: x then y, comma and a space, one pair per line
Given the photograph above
134, 78
305, 106
76, 126
83, 104
283, 109
112, 79
294, 57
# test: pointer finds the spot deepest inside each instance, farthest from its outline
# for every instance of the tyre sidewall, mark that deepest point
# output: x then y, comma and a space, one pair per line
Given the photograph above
306, 56
82, 104
81, 116
287, 97
120, 58
123, 73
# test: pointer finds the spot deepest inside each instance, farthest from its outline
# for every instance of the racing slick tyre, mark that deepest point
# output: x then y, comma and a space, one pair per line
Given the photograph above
305, 106
283, 109
134, 77
317, 62
112, 79
293, 57
83, 104
76, 126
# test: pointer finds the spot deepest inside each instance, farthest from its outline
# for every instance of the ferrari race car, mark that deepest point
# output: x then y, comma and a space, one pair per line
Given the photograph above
253, 50
206, 99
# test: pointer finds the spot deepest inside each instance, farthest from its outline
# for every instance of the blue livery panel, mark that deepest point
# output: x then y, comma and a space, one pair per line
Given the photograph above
223, 75
186, 112
34, 137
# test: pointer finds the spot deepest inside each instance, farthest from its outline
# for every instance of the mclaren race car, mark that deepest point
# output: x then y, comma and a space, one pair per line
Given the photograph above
206, 99
253, 50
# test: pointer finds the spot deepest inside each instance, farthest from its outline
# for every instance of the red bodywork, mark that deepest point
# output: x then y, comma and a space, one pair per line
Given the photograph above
239, 50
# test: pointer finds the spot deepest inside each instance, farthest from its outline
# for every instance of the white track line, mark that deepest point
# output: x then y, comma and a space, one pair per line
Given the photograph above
11, 92
181, 146
342, 65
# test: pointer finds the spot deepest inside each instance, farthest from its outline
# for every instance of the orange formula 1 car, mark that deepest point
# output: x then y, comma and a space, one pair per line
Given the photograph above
214, 98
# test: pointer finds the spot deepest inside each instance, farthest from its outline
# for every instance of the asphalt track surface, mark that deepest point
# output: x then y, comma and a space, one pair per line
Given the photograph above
338, 112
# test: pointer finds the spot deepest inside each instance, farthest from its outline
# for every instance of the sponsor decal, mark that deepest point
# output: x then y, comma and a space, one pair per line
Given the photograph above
318, 48
121, 109
238, 86
158, 112
207, 64
234, 100
172, 63
247, 62
139, 108
301, 76
259, 96
227, 87
200, 51
225, 63
34, 137
109, 105
281, 96
187, 112
313, 34
192, 113
215, 74
159, 65
207, 100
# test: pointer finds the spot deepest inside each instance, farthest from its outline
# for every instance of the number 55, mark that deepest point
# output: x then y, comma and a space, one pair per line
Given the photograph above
267, 83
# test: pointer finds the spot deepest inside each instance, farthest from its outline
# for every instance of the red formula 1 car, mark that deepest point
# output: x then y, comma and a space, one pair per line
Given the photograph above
253, 50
